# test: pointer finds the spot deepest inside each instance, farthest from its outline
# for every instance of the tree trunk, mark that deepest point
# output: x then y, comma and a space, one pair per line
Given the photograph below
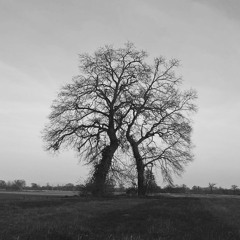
141, 179
140, 167
102, 168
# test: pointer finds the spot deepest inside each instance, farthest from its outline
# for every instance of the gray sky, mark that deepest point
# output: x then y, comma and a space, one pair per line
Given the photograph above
39, 45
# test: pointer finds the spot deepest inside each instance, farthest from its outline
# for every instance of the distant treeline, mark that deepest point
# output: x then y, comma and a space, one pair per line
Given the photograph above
195, 190
20, 184
210, 189
111, 186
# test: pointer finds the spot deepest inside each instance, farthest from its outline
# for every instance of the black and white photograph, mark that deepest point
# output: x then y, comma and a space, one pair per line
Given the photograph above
119, 120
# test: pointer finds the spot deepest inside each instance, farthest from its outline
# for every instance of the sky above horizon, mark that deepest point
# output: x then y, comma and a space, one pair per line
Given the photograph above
40, 42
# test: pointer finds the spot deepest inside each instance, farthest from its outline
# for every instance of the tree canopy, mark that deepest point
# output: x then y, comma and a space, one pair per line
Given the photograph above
119, 101
158, 126
88, 113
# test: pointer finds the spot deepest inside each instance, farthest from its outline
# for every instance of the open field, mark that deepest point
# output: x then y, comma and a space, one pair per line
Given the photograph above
163, 217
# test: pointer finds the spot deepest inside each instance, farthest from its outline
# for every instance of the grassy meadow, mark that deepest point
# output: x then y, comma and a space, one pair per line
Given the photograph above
38, 217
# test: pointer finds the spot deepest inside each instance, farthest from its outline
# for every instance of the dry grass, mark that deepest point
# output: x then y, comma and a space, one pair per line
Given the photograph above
120, 218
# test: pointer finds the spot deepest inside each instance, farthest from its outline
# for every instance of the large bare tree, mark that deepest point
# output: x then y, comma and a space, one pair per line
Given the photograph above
158, 127
119, 100
88, 113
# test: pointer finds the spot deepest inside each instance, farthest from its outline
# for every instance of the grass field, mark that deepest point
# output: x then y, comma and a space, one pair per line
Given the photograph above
72, 218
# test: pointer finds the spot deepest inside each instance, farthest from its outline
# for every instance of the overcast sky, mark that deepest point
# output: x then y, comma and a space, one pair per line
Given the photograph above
39, 45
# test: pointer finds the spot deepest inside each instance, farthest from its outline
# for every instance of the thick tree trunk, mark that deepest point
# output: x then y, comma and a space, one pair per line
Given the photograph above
141, 180
102, 168
140, 167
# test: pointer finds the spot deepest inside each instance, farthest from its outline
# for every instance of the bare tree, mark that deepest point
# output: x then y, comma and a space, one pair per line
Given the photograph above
211, 186
159, 128
150, 182
234, 188
35, 186
2, 184
88, 113
17, 185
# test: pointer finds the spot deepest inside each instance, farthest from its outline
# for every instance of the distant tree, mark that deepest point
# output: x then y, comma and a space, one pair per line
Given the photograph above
2, 184
9, 185
18, 185
169, 188
69, 187
150, 182
48, 187
211, 186
89, 113
234, 188
35, 186
184, 188
196, 189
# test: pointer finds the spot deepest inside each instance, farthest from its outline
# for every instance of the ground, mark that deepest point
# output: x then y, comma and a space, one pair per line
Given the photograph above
39, 217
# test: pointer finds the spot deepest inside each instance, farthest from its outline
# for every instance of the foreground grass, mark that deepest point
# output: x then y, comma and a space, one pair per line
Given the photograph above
120, 218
